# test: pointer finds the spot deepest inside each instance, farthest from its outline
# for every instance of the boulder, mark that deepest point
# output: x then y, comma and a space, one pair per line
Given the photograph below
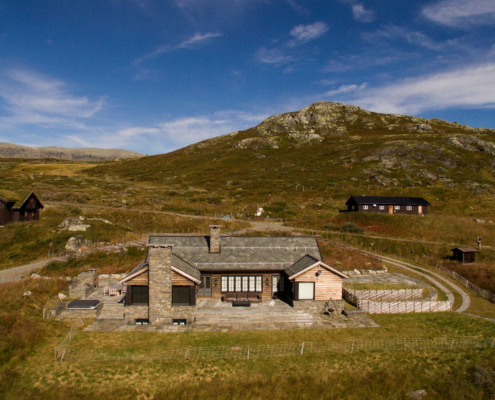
27, 293
76, 243
416, 395
35, 276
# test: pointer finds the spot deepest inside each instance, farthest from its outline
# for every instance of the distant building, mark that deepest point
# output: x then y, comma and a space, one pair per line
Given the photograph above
466, 255
388, 205
28, 210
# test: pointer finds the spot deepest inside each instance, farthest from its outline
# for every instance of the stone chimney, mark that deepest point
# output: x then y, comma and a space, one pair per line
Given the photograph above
159, 283
215, 239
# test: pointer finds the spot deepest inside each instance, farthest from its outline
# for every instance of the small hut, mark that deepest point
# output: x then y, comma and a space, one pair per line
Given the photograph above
465, 255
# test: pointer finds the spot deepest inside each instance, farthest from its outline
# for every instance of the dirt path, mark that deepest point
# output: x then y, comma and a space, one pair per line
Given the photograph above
15, 274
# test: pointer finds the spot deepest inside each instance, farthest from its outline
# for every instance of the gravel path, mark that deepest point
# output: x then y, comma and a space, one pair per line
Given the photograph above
17, 273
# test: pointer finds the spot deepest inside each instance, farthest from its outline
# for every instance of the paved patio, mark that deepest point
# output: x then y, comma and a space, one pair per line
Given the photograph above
217, 316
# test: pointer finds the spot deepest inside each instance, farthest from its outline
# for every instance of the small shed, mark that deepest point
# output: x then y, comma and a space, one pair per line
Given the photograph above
465, 255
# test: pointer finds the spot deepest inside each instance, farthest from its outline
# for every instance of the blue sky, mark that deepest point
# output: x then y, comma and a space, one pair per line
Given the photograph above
156, 75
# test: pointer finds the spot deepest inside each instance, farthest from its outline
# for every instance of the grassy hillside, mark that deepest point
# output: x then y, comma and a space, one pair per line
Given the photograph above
300, 167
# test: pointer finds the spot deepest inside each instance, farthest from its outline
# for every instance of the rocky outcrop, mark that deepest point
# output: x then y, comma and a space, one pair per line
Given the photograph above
77, 243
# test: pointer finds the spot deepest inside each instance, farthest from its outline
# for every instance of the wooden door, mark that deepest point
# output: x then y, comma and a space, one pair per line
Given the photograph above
390, 209
204, 288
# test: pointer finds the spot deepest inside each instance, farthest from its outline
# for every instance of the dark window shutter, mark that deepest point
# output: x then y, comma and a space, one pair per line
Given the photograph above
128, 296
192, 297
296, 290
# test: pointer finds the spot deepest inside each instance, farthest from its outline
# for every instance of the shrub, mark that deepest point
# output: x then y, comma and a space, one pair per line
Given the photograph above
350, 227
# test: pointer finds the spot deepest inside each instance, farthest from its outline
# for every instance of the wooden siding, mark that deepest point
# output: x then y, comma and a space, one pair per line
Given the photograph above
415, 210
327, 284
139, 280
216, 290
179, 280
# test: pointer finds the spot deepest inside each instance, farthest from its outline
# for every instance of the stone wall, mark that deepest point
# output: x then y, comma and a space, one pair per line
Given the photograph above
136, 311
82, 285
76, 313
160, 284
318, 306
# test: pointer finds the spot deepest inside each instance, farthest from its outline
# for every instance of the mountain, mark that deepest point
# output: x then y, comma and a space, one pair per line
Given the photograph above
8, 150
325, 151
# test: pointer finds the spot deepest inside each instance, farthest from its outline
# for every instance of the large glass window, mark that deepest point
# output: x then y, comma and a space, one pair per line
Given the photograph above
242, 283
306, 290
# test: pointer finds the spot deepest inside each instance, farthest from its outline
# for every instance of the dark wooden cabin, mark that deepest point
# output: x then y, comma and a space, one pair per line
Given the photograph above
388, 205
28, 210
466, 255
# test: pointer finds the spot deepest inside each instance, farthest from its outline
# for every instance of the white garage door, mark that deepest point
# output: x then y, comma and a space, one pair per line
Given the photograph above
306, 290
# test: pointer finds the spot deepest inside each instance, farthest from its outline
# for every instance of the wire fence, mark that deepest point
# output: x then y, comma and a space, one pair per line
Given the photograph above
486, 294
280, 350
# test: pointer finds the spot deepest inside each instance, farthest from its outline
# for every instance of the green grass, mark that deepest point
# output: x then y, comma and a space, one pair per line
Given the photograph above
375, 374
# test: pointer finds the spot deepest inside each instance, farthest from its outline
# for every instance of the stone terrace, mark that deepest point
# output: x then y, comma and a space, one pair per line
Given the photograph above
216, 316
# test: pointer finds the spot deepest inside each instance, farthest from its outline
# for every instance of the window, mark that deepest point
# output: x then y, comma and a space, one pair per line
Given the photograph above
408, 208
242, 283
365, 207
396, 207
381, 207
183, 295
139, 294
305, 290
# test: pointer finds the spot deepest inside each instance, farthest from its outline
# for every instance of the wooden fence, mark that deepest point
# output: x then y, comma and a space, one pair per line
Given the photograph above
486, 294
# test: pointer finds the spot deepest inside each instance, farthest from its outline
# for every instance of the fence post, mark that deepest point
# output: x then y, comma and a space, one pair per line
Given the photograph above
451, 343
352, 348
302, 348
248, 353
493, 342
187, 354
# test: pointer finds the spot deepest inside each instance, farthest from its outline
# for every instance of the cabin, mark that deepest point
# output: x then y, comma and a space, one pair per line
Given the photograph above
388, 205
180, 270
465, 255
27, 210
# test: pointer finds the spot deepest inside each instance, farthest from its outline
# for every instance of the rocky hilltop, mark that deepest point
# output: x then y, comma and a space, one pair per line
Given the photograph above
327, 150
8, 150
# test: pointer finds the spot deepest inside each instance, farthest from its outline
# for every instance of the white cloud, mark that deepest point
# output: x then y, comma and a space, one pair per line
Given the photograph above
459, 13
394, 32
362, 14
167, 135
189, 43
345, 89
276, 56
286, 52
470, 87
305, 33
31, 98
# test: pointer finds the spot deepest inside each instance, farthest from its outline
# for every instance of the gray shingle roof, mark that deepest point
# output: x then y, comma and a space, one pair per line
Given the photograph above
301, 265
185, 267
241, 253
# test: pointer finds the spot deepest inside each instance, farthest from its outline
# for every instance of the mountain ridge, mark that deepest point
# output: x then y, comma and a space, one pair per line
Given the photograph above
11, 150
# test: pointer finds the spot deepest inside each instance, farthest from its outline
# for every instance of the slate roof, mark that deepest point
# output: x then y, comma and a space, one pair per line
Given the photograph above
390, 200
240, 253
301, 265
185, 267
